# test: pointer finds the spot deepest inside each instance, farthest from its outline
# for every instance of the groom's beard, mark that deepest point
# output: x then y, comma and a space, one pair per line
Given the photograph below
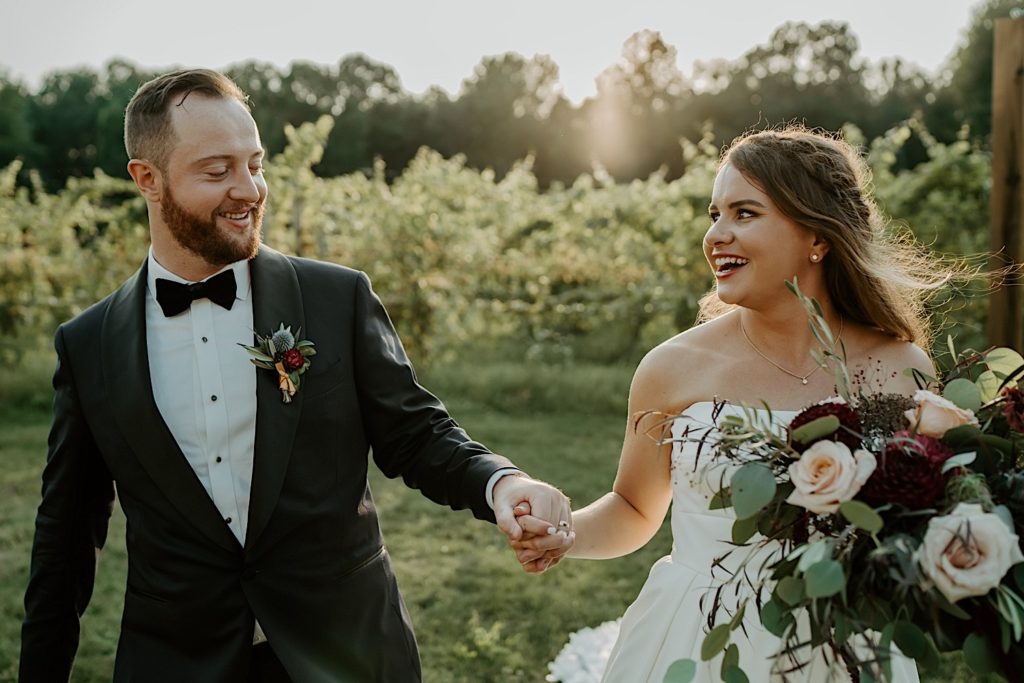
204, 238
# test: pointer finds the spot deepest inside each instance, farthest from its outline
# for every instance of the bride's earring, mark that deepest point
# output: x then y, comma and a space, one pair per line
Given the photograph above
814, 258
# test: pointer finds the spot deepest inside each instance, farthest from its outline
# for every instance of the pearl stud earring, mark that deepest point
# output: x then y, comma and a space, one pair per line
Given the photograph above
815, 257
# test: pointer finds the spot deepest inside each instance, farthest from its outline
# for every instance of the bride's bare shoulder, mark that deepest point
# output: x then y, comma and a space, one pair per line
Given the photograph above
673, 373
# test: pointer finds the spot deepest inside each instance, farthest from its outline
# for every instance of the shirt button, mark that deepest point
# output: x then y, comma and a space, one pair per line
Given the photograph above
205, 340
227, 520
218, 459
214, 397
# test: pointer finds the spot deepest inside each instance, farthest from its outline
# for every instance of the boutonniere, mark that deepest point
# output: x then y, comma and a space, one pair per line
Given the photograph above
284, 353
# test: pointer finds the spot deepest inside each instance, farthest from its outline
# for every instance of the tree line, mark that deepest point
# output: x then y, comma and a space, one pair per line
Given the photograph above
511, 107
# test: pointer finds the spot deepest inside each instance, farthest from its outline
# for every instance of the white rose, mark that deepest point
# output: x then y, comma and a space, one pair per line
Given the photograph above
827, 474
934, 416
967, 552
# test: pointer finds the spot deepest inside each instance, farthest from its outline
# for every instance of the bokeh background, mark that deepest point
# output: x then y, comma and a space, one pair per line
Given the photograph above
527, 188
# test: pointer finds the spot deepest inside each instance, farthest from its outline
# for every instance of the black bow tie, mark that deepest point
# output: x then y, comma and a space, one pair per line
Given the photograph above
175, 297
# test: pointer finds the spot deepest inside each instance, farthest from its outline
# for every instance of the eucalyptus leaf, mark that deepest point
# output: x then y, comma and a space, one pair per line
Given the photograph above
964, 393
753, 487
979, 655
816, 552
714, 642
910, 639
743, 530
722, 499
816, 429
862, 516
988, 383
790, 590
1003, 362
824, 579
681, 671
774, 618
734, 674
731, 658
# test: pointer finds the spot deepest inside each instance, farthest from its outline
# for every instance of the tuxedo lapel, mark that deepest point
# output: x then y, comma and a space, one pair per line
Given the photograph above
126, 373
276, 299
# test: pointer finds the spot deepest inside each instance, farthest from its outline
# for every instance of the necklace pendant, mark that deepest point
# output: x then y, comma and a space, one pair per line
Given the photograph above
803, 380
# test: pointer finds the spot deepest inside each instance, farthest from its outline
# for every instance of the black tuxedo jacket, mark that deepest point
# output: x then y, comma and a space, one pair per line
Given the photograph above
313, 568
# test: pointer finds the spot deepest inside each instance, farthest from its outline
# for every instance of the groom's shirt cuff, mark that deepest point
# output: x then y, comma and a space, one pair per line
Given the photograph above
492, 482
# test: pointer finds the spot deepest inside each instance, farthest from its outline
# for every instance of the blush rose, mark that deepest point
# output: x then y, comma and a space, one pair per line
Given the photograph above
828, 474
967, 552
934, 416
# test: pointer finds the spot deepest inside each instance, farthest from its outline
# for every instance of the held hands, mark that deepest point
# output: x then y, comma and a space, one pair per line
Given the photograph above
537, 520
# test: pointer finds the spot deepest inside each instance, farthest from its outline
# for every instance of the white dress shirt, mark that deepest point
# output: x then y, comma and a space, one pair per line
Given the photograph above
205, 389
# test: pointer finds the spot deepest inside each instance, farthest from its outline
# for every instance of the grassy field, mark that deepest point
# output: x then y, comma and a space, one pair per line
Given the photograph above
478, 617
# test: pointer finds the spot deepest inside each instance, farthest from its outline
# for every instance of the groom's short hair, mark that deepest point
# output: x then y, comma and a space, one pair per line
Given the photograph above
148, 130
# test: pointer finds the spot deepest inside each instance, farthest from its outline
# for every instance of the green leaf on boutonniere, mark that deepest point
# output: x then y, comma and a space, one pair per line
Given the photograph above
285, 354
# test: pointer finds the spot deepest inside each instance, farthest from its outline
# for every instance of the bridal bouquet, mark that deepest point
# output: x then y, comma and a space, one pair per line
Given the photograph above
875, 519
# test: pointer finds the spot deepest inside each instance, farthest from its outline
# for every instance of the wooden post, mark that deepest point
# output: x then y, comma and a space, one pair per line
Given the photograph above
1006, 306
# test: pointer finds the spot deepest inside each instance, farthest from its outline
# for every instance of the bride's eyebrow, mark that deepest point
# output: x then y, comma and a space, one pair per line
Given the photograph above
738, 203
744, 202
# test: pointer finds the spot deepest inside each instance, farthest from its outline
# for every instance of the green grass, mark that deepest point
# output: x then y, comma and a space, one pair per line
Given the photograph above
478, 617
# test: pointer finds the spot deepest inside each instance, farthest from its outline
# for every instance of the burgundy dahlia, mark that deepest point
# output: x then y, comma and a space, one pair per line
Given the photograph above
909, 473
1013, 409
293, 359
849, 424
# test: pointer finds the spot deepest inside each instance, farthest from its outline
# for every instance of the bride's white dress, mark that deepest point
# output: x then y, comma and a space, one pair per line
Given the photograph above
667, 623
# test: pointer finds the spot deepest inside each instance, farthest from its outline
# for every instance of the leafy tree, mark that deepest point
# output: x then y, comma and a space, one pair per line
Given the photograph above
635, 122
804, 72
967, 97
16, 140
65, 116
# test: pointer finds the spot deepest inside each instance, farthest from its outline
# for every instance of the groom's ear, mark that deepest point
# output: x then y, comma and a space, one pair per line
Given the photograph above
147, 178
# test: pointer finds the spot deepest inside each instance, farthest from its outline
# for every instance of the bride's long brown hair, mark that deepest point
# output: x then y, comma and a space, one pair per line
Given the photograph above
874, 276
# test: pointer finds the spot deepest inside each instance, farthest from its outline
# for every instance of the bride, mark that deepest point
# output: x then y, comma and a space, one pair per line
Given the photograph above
786, 204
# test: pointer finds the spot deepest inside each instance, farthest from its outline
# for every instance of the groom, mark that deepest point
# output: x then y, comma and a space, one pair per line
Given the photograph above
254, 552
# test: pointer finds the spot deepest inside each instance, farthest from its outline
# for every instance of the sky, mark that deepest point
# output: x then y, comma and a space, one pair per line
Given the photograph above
438, 42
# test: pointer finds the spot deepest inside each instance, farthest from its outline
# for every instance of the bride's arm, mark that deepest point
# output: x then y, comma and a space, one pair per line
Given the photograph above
627, 517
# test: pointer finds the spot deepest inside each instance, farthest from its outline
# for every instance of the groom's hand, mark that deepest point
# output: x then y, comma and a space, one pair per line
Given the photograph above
542, 501
542, 545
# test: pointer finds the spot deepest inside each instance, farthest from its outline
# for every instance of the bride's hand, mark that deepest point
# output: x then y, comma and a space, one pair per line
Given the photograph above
542, 544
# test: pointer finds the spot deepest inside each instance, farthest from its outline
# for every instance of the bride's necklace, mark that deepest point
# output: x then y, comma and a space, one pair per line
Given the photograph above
802, 378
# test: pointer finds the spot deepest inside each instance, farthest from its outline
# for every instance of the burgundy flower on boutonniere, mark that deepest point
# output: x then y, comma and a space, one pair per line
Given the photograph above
287, 354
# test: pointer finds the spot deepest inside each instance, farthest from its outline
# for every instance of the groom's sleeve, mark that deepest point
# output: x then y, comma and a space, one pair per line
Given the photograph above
411, 433
71, 525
